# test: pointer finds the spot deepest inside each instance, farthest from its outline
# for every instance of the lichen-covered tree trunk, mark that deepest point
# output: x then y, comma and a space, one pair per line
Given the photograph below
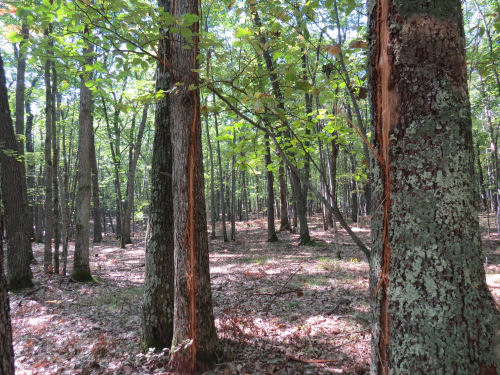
233, 193
158, 305
14, 203
6, 349
81, 266
432, 310
193, 310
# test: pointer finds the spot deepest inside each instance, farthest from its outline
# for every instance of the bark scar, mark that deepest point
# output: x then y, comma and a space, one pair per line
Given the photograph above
386, 118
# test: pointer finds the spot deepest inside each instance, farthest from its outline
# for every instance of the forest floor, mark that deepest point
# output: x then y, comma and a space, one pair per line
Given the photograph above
280, 308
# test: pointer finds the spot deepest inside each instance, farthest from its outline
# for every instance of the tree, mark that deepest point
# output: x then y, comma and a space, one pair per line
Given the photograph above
6, 349
81, 266
14, 203
158, 305
432, 311
195, 338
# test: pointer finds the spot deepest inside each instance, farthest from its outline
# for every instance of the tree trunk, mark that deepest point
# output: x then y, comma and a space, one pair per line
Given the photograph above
15, 205
6, 349
284, 221
49, 204
213, 216
129, 203
96, 208
81, 266
20, 95
30, 164
432, 310
233, 192
244, 194
271, 231
158, 305
221, 180
56, 115
193, 311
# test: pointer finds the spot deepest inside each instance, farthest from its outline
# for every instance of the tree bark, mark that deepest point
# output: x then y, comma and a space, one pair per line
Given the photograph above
30, 164
158, 305
432, 310
14, 203
56, 116
284, 221
6, 348
193, 311
81, 266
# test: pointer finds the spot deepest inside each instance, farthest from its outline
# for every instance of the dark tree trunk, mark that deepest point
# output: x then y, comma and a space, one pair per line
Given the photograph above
15, 204
432, 310
221, 179
6, 349
158, 305
81, 266
271, 231
193, 311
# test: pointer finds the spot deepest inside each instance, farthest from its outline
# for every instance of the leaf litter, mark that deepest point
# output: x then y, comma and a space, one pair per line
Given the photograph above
279, 308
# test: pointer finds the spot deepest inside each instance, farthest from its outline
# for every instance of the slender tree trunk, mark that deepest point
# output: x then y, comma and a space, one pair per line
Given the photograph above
233, 193
193, 311
81, 266
96, 208
129, 203
221, 180
213, 213
49, 203
271, 231
30, 178
158, 305
14, 203
6, 349
432, 312
56, 116
284, 222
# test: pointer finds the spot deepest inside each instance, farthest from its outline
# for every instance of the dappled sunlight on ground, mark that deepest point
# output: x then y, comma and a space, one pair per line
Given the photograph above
280, 308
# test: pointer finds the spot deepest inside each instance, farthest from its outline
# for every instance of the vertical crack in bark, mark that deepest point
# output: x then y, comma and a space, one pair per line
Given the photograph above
386, 117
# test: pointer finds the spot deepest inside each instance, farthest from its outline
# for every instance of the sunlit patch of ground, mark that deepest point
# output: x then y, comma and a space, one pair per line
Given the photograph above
277, 306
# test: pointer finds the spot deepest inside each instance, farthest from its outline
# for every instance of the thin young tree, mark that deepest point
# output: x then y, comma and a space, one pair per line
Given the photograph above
432, 310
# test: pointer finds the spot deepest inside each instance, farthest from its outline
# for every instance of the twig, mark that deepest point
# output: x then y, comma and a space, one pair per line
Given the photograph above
268, 306
279, 293
297, 359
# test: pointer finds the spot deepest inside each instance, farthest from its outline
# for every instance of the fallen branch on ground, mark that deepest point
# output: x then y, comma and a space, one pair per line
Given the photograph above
279, 293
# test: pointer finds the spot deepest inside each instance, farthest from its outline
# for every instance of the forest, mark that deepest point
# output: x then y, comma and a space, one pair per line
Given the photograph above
249, 187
